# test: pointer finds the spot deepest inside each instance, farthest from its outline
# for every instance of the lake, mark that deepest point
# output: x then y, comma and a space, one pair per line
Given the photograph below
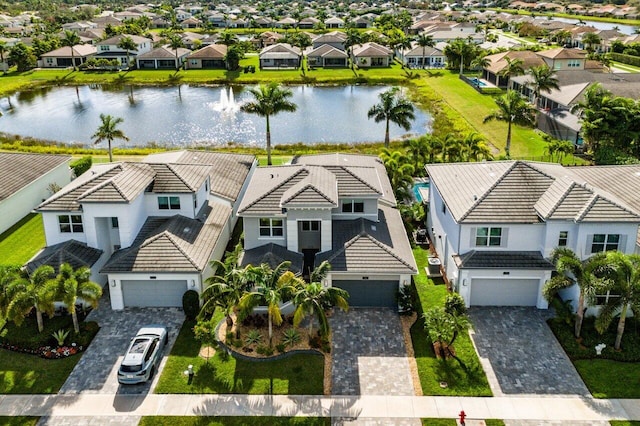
623, 28
194, 115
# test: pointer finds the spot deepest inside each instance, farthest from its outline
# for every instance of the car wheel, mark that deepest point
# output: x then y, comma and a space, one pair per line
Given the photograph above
153, 373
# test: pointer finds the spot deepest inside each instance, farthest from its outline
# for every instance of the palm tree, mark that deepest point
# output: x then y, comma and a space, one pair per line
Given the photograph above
353, 37
224, 289
32, 292
571, 270
544, 80
480, 63
175, 43
393, 107
272, 286
108, 131
458, 50
513, 68
474, 148
270, 99
424, 41
418, 152
443, 328
3, 50
313, 299
70, 39
594, 110
400, 172
72, 284
128, 45
622, 273
8, 275
589, 40
452, 148
512, 108
227, 38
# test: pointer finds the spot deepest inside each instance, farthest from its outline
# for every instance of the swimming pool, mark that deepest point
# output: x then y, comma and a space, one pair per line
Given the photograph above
421, 191
478, 82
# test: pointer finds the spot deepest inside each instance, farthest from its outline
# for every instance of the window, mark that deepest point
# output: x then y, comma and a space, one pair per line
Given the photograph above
605, 242
562, 238
352, 206
70, 223
444, 208
491, 237
169, 203
271, 227
603, 299
193, 62
104, 48
114, 222
574, 63
310, 225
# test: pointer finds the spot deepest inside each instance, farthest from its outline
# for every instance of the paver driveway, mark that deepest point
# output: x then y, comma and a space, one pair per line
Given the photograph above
523, 352
369, 355
96, 371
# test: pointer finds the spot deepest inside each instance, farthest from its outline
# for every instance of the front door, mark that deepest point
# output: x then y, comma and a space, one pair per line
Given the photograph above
309, 242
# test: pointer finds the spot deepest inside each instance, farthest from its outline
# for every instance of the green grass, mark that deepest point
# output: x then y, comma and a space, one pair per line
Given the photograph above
297, 375
30, 374
624, 423
461, 382
22, 241
452, 422
626, 67
233, 421
19, 421
610, 379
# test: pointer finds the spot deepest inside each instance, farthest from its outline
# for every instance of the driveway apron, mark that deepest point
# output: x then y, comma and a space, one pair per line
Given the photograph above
96, 371
368, 353
523, 352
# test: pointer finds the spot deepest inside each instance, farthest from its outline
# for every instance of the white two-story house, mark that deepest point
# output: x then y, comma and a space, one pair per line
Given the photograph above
148, 229
494, 225
334, 207
109, 49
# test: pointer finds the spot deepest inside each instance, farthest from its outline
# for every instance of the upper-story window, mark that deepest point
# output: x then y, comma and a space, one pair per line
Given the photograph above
605, 242
70, 223
310, 225
169, 203
271, 227
563, 238
491, 237
114, 222
352, 206
104, 48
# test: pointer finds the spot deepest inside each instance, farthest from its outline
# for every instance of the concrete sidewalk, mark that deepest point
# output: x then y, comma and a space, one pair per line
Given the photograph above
542, 408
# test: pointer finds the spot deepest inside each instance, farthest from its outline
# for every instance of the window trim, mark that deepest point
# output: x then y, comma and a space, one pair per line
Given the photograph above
115, 223
490, 236
271, 227
352, 204
74, 227
563, 240
605, 243
170, 202
309, 225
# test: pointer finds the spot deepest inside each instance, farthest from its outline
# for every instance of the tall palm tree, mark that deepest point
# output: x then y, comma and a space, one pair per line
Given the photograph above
8, 275
352, 38
589, 40
594, 111
72, 284
622, 272
175, 43
393, 107
71, 39
513, 68
108, 131
480, 63
269, 99
32, 292
424, 41
474, 148
459, 49
224, 289
544, 80
313, 299
128, 45
571, 270
512, 109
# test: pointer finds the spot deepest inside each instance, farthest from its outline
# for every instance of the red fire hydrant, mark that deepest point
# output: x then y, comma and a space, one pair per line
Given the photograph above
463, 416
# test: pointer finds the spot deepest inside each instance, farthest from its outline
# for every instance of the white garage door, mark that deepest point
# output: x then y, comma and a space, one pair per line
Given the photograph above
156, 293
504, 292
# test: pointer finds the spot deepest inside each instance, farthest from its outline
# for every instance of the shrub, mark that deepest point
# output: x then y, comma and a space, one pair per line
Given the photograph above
280, 347
191, 304
454, 304
405, 299
81, 165
60, 336
291, 337
253, 337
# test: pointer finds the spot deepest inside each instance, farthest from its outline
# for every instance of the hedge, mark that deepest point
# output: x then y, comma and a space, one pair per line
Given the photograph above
625, 59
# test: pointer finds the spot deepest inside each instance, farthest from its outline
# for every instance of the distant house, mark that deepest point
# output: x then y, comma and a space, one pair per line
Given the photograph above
162, 58
564, 59
191, 23
266, 38
108, 49
334, 38
308, 23
433, 58
371, 54
212, 56
498, 63
327, 56
26, 180
62, 57
281, 55
334, 22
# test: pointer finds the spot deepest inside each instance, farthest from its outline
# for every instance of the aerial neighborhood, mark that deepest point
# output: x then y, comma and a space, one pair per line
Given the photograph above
320, 213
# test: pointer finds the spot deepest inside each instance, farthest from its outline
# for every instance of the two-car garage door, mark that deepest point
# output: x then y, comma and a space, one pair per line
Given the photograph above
370, 293
504, 292
156, 293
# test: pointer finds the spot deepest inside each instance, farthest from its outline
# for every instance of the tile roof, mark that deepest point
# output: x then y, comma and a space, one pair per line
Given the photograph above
173, 244
216, 51
164, 52
364, 246
503, 260
319, 188
563, 53
327, 51
498, 61
370, 49
273, 255
18, 170
73, 252
178, 178
121, 188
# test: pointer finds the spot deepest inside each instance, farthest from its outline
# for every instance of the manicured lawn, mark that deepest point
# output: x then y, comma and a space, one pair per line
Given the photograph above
22, 241
296, 375
461, 382
624, 423
453, 422
233, 421
610, 379
30, 374
19, 421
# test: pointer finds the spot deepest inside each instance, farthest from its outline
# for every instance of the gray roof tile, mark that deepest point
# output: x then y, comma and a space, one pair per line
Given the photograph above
18, 170
273, 255
73, 252
503, 260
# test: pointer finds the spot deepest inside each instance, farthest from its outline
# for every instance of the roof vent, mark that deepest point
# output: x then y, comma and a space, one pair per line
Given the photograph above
475, 197
373, 227
187, 229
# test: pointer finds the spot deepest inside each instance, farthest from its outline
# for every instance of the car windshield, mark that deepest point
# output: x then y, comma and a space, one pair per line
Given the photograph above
138, 346
130, 368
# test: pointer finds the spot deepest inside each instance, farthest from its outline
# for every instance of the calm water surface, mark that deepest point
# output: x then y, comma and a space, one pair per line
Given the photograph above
189, 115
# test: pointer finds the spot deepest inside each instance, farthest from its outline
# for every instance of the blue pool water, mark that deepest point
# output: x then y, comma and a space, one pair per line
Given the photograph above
478, 82
416, 190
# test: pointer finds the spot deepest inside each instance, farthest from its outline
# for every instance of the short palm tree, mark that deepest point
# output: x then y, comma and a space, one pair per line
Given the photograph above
32, 292
400, 172
313, 300
512, 109
418, 152
8, 275
71, 39
590, 40
3, 49
227, 38
72, 284
128, 45
175, 43
269, 100
622, 272
571, 270
424, 41
224, 290
513, 68
474, 148
543, 80
393, 107
108, 131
